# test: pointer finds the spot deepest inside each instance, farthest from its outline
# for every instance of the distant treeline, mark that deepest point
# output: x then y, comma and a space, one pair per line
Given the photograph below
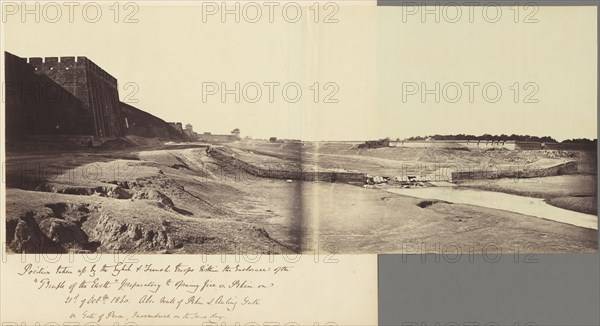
579, 141
524, 138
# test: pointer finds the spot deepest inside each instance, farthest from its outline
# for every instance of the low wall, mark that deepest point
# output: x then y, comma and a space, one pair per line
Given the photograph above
528, 146
217, 138
570, 146
286, 171
482, 144
529, 171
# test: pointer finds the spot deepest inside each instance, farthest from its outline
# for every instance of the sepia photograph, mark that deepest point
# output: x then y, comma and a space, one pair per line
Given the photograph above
212, 128
324, 163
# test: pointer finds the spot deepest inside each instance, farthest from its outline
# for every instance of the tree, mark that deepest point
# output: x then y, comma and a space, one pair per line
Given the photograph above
579, 141
273, 139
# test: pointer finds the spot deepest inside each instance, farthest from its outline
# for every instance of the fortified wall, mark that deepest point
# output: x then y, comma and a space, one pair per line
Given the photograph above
140, 123
37, 105
70, 100
177, 126
92, 85
210, 138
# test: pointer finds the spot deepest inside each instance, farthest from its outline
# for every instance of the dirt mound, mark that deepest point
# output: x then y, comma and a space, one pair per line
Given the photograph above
430, 202
153, 194
66, 233
46, 232
112, 191
24, 235
116, 234
62, 227
75, 213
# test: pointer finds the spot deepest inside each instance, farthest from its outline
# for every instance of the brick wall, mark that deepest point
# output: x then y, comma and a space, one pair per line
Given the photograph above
144, 124
37, 105
89, 83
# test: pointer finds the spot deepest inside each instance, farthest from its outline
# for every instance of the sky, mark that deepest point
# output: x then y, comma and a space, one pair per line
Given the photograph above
363, 72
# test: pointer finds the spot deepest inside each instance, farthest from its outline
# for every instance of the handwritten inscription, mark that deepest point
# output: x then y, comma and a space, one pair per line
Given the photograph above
124, 292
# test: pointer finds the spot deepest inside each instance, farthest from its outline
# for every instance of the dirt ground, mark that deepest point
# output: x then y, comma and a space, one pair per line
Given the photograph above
165, 200
573, 192
178, 199
350, 219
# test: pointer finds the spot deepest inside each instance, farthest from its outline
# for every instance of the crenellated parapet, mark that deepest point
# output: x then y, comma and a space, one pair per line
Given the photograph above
56, 65
71, 97
91, 84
